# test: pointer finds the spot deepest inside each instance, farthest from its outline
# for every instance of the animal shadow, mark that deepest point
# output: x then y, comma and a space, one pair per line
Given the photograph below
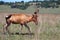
17, 33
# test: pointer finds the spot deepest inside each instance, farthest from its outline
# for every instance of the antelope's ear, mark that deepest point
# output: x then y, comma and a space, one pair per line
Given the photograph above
37, 10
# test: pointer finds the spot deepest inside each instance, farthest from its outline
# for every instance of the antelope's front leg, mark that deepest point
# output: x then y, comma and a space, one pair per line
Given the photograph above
27, 27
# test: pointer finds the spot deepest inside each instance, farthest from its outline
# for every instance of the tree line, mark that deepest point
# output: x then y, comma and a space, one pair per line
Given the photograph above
23, 5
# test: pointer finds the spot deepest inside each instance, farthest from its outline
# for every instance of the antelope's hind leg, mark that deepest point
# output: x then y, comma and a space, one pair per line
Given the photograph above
5, 28
21, 27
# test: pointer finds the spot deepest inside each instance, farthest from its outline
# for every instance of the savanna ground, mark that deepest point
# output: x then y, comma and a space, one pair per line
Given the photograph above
47, 29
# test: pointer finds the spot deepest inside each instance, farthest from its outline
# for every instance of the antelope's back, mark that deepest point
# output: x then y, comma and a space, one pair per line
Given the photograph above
20, 18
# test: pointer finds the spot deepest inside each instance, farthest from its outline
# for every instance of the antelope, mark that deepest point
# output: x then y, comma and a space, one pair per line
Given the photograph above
21, 19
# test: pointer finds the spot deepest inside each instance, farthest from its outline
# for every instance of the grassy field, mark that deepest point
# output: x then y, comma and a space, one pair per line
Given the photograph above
31, 9
47, 29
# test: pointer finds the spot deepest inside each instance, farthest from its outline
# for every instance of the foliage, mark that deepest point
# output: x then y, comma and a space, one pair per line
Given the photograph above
1, 2
24, 5
21, 6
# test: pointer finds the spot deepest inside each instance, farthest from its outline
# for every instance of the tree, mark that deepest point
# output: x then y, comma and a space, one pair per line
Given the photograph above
58, 2
1, 2
22, 1
46, 0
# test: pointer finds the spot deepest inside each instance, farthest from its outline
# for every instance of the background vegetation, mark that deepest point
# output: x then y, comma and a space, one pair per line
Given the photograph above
23, 5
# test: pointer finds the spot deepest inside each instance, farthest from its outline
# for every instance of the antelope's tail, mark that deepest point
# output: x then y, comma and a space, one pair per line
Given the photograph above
7, 17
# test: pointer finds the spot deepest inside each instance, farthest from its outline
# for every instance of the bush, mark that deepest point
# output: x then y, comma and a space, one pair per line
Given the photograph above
23, 6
